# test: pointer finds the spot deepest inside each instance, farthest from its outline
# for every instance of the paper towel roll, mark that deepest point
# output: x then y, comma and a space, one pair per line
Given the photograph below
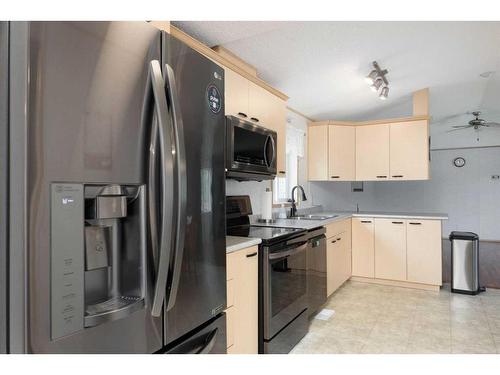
267, 205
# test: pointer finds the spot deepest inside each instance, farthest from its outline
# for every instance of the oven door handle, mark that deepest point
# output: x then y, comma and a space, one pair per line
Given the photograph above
285, 254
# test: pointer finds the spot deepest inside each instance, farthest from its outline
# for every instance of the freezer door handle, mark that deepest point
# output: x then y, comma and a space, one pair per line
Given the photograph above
162, 130
181, 181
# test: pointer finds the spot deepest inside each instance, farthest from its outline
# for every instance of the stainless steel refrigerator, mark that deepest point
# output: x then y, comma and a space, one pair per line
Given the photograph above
115, 193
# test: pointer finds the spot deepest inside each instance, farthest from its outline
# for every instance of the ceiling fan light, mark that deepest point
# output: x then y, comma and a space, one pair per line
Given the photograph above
384, 93
376, 85
370, 78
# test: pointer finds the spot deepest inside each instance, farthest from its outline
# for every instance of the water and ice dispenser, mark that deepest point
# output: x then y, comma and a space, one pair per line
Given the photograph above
98, 254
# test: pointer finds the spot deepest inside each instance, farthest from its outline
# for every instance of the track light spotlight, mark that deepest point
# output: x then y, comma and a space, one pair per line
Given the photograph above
370, 78
376, 85
384, 93
377, 79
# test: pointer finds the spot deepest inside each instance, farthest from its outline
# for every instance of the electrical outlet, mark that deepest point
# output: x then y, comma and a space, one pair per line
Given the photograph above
495, 177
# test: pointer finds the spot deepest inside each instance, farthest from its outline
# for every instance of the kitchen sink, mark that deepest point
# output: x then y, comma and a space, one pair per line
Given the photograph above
313, 217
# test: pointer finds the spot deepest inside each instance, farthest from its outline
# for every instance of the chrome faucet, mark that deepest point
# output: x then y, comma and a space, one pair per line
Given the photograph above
293, 210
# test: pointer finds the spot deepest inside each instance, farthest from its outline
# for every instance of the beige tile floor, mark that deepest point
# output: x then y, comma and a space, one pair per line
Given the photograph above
383, 319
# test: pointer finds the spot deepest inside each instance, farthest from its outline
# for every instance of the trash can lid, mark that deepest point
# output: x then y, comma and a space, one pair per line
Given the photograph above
463, 236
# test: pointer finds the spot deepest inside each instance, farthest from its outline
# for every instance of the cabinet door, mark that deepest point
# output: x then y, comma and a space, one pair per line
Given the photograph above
317, 150
363, 247
390, 249
372, 152
235, 94
246, 302
259, 104
409, 145
277, 122
341, 153
338, 260
424, 253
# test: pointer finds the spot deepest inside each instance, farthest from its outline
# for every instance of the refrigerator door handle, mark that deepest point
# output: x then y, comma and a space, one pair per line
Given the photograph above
210, 342
181, 180
161, 127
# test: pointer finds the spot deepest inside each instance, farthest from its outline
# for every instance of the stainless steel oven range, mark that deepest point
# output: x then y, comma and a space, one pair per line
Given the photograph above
283, 302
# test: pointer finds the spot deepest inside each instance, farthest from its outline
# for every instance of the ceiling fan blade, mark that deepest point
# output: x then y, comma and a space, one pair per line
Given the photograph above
462, 126
459, 128
448, 118
492, 123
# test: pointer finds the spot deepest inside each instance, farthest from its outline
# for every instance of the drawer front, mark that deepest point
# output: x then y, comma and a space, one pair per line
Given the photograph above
338, 227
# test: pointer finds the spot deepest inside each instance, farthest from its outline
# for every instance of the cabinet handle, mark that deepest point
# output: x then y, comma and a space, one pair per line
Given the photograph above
381, 176
397, 222
254, 119
282, 172
338, 239
242, 114
251, 255
398, 176
335, 176
366, 221
334, 241
416, 223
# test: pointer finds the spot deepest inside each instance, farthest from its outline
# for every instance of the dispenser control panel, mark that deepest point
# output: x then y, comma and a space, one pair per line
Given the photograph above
67, 259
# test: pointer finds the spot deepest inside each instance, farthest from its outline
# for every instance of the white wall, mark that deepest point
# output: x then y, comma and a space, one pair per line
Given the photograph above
468, 195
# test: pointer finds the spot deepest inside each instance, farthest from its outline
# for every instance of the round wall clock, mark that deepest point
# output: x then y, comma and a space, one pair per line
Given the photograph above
459, 162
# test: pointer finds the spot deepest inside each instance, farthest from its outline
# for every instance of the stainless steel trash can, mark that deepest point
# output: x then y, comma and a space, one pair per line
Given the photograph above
465, 263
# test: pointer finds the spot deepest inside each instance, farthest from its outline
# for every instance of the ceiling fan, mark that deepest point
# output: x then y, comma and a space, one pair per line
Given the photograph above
475, 123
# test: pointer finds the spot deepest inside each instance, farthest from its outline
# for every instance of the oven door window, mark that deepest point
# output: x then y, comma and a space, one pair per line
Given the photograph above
249, 146
288, 282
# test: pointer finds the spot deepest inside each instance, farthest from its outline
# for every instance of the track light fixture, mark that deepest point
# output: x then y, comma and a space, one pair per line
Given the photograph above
377, 79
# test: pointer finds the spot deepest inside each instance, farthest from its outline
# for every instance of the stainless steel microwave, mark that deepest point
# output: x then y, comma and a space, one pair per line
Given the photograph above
250, 150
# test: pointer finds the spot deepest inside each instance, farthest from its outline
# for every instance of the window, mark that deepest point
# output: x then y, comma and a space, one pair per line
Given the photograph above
295, 149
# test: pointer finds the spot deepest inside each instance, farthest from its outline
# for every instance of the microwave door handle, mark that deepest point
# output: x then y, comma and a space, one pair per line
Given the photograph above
285, 254
156, 84
273, 145
269, 141
181, 181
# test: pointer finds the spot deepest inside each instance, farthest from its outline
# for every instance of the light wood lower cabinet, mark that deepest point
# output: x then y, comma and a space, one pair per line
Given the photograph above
363, 247
390, 249
338, 259
242, 315
424, 252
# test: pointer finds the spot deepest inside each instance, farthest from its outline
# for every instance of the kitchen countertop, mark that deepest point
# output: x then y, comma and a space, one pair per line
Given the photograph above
309, 224
234, 243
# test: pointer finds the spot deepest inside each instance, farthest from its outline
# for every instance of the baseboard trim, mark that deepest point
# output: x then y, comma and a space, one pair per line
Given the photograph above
403, 284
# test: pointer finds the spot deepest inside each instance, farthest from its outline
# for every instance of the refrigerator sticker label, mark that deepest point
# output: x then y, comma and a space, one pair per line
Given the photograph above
214, 99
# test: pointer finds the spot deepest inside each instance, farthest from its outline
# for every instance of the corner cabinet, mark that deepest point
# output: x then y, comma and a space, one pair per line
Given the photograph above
242, 301
369, 152
251, 102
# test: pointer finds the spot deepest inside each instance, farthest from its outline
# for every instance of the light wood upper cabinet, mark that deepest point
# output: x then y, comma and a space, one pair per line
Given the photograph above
409, 150
372, 152
235, 94
424, 253
390, 249
276, 120
341, 153
250, 102
363, 247
242, 316
317, 151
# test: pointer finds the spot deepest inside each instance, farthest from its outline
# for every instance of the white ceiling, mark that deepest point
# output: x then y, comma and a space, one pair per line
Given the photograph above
321, 65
